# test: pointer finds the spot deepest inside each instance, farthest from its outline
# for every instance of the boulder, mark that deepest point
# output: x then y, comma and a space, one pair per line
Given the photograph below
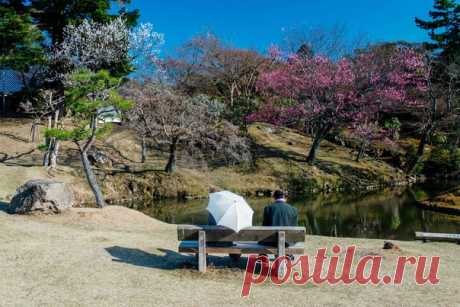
41, 196
99, 158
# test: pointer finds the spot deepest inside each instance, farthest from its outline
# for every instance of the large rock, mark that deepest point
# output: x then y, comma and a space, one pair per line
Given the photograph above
99, 158
41, 196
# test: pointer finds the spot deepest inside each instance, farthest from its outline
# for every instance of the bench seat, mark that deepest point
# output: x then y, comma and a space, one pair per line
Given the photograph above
240, 248
430, 236
206, 239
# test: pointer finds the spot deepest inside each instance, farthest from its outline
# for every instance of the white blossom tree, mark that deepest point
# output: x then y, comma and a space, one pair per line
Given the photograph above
95, 46
111, 46
144, 49
108, 46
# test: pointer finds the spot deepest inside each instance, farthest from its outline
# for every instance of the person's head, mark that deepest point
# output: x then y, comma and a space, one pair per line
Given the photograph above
279, 195
214, 189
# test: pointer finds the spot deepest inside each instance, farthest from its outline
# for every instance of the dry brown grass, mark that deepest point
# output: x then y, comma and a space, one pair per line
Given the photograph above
119, 257
281, 154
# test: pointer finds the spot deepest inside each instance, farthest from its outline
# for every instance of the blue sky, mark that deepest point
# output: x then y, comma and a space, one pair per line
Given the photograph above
257, 24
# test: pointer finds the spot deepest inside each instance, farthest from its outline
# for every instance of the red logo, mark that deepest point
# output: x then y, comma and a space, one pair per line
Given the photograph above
367, 270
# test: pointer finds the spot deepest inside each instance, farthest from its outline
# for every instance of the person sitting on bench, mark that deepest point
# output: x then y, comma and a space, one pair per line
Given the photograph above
279, 213
212, 222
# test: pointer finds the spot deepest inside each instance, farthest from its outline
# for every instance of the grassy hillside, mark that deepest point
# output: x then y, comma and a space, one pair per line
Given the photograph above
279, 153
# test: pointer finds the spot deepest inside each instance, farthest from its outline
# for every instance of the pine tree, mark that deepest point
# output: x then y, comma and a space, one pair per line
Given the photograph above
444, 29
88, 97
20, 46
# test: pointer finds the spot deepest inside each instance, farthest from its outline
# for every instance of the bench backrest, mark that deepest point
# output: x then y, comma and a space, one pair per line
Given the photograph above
250, 234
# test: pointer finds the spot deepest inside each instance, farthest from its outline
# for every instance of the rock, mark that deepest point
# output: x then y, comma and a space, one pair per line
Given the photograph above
268, 130
41, 196
99, 158
390, 245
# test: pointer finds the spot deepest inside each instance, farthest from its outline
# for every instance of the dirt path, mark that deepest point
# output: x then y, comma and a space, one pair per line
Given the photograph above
120, 257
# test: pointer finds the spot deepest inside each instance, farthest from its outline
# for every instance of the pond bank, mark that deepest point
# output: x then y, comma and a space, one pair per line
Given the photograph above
279, 163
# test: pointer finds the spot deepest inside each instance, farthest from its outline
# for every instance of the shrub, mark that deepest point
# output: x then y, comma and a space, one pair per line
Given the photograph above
442, 161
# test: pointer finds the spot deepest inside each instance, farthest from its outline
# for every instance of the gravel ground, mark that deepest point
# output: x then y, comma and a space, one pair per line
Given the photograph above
120, 257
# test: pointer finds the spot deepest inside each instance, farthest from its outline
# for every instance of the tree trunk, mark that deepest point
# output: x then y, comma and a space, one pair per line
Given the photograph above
322, 132
232, 91
34, 131
427, 131
421, 148
46, 158
313, 149
144, 150
100, 202
54, 154
171, 166
4, 104
361, 151
50, 158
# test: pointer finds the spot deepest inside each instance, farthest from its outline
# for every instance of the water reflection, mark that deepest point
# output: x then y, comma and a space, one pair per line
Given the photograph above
386, 214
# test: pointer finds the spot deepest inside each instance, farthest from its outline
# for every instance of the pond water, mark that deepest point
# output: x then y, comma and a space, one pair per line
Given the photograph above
390, 214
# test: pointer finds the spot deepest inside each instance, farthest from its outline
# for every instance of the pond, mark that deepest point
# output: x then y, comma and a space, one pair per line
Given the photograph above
389, 214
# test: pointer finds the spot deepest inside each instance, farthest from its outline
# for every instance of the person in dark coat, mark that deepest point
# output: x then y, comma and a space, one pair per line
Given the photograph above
280, 213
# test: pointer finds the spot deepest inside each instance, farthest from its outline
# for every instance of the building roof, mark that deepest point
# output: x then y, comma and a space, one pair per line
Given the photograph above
10, 81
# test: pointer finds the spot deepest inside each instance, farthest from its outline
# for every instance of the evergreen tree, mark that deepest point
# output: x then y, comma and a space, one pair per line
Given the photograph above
53, 15
17, 5
88, 97
444, 29
20, 46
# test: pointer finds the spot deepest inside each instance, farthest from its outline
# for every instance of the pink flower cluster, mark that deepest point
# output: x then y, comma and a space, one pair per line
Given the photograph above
347, 92
278, 115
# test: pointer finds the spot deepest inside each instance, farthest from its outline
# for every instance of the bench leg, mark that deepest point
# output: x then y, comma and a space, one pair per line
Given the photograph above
281, 251
202, 251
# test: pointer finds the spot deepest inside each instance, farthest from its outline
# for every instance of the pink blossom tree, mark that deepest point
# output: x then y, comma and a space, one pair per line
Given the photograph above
339, 94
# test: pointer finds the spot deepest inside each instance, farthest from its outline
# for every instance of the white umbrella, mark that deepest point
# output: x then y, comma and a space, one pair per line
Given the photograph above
230, 210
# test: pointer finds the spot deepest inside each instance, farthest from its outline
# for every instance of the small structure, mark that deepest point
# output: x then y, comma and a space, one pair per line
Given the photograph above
109, 115
10, 82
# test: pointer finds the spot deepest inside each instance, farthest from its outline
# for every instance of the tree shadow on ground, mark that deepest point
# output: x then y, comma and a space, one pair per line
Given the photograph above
6, 157
4, 206
169, 260
14, 137
263, 151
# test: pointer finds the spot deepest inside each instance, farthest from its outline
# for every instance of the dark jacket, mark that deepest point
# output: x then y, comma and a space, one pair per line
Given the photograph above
211, 220
280, 214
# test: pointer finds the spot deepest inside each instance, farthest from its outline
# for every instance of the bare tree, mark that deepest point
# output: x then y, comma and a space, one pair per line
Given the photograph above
439, 105
205, 65
174, 120
333, 42
48, 106
137, 117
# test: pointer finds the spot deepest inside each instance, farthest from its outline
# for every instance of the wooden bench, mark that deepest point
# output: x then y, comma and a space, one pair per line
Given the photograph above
217, 240
430, 236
